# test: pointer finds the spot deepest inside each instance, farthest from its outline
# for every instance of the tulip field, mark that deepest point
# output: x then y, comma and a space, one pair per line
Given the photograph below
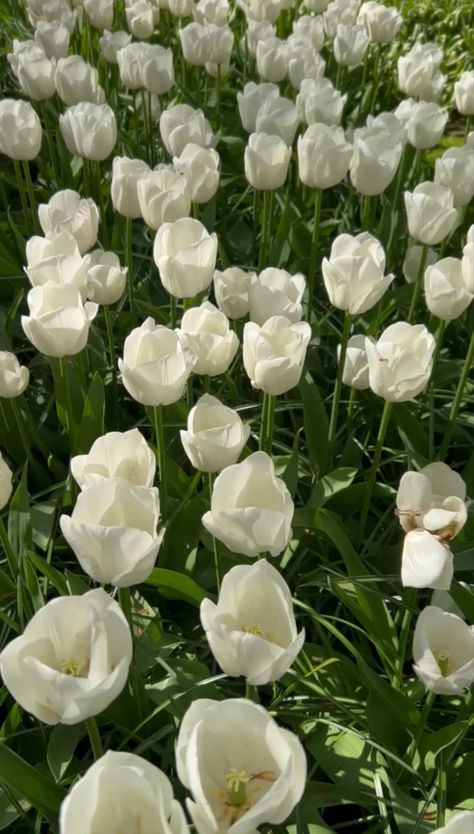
236, 417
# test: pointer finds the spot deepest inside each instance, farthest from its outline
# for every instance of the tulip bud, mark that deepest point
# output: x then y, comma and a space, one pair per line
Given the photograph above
124, 457
446, 293
205, 333
155, 367
185, 254
319, 102
89, 130
215, 435
350, 45
442, 651
272, 59
468, 261
250, 101
53, 37
14, 377
36, 76
231, 289
426, 124
140, 19
72, 659
129, 60
401, 346
426, 562
258, 30
430, 213
381, 23
111, 43
251, 509
375, 160
412, 262
323, 156
99, 12
274, 354
77, 82
181, 125
311, 29
67, 211
418, 72
464, 93
252, 629
266, 161
20, 130
356, 365
278, 116
126, 174
106, 279
6, 487
200, 167
455, 170
354, 274
276, 293
163, 196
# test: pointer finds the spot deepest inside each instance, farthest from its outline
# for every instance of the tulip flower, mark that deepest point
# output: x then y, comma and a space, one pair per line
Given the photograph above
323, 156
206, 334
215, 435
67, 211
350, 45
251, 509
303, 61
53, 37
36, 75
354, 274
6, 487
53, 10
157, 71
99, 12
274, 353
106, 278
250, 101
316, 6
432, 499
310, 28
180, 125
163, 196
356, 365
427, 562
56, 259
72, 659
195, 43
274, 292
381, 23
412, 262
89, 130
116, 456
375, 160
464, 93
155, 367
455, 170
468, 261
214, 12
111, 42
401, 361
185, 254
241, 768
200, 167
231, 289
257, 30
14, 377
221, 42
23, 49
129, 60
20, 130
76, 81
395, 123
339, 12
443, 652
446, 293
126, 174
272, 59
278, 116
58, 322
430, 212
266, 161
425, 125
252, 629
419, 74
140, 19
460, 824
126, 788
112, 531
318, 102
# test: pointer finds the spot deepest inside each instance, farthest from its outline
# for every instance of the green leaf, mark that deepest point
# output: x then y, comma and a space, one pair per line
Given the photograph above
92, 422
431, 745
33, 785
61, 746
174, 585
330, 484
316, 424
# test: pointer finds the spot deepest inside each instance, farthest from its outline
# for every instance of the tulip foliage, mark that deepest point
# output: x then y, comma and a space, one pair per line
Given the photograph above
236, 448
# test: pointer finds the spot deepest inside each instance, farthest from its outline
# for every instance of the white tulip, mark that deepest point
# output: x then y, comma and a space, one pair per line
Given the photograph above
401, 361
163, 196
36, 74
56, 259
258, 30
112, 531
67, 211
251, 509
23, 49
180, 125
350, 45
468, 261
89, 130
185, 254
200, 167
72, 659
310, 27
106, 278
6, 487
339, 12
316, 6
419, 74
426, 562
215, 12
180, 8
76, 81
375, 160
116, 456
274, 353
432, 499
274, 292
111, 43
425, 125
58, 322
21, 133
381, 23
126, 174
215, 435
129, 60
99, 12
252, 629
157, 70
393, 123
240, 767
462, 823
195, 43
278, 116
455, 170
14, 377
53, 37
319, 102
231, 289
303, 61
205, 333
261, 10
356, 365
446, 293
443, 651
266, 161
464, 93
140, 19
430, 212
323, 156
221, 42
354, 274
272, 59
251, 100
412, 262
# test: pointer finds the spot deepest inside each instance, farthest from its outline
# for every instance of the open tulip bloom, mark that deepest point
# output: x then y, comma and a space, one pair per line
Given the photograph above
443, 651
116, 456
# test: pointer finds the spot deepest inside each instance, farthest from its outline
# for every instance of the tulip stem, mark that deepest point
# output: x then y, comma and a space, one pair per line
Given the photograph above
384, 421
442, 789
210, 481
467, 128
338, 384
103, 219
268, 419
23, 199
31, 194
266, 223
458, 398
161, 457
20, 427
418, 284
366, 213
69, 415
94, 737
409, 598
218, 95
129, 264
113, 356
313, 260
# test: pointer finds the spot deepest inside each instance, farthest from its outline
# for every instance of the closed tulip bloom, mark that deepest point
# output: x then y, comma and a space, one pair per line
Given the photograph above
55, 244
116, 456
195, 43
240, 767
401, 361
350, 45
113, 532
89, 130
426, 562
129, 60
181, 125
205, 332
106, 278
155, 367
460, 824
215, 435
157, 69
51, 10
185, 254
303, 61
180, 8
77, 81
14, 377
455, 170
266, 161
426, 124
316, 6
24, 50
56, 259
6, 487
58, 322
464, 93
200, 167
111, 42
67, 211
20, 130
221, 42
251, 100
274, 353
278, 116
126, 174
53, 37
260, 10
323, 156
419, 74
432, 499
468, 261
274, 292
140, 19
36, 76
99, 12
231, 290
356, 365
382, 23
251, 509
354, 274
126, 788
212, 11
319, 102
375, 160
443, 654
252, 629
393, 123
272, 59
258, 30
430, 212
163, 196
446, 293
412, 261
337, 12
72, 659
310, 28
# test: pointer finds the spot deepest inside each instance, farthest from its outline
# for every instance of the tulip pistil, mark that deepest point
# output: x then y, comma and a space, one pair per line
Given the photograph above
75, 668
236, 787
257, 630
444, 663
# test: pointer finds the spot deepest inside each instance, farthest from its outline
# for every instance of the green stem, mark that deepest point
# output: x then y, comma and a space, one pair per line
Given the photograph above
458, 398
467, 128
9, 552
442, 789
251, 692
375, 77
31, 194
218, 95
409, 598
431, 394
94, 737
20, 427
366, 213
126, 606
161, 456
103, 219
210, 481
429, 701
385, 419
313, 259
267, 424
338, 384
113, 357
418, 284
266, 223
23, 200
69, 412
129, 264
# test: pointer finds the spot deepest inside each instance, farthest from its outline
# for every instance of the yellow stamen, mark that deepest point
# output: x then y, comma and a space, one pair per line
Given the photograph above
75, 668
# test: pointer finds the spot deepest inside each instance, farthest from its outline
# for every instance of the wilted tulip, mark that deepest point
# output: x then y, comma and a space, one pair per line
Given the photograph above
401, 361
140, 19
464, 93
266, 161
419, 74
350, 45
278, 116
200, 167
185, 254
156, 67
53, 37
425, 125
99, 12
116, 456
432, 499
354, 274
274, 292
89, 130
319, 102
430, 212
231, 289
58, 323
443, 652
129, 60
205, 332
455, 170
72, 659
240, 767
323, 156
111, 43
250, 101
310, 28
67, 211
381, 23
252, 629
412, 262
36, 74
375, 160
6, 487
446, 293
77, 81
155, 367
274, 354
427, 562
126, 788
14, 377
356, 365
20, 130
215, 435
113, 532
163, 196
181, 125
272, 59
126, 174
106, 278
